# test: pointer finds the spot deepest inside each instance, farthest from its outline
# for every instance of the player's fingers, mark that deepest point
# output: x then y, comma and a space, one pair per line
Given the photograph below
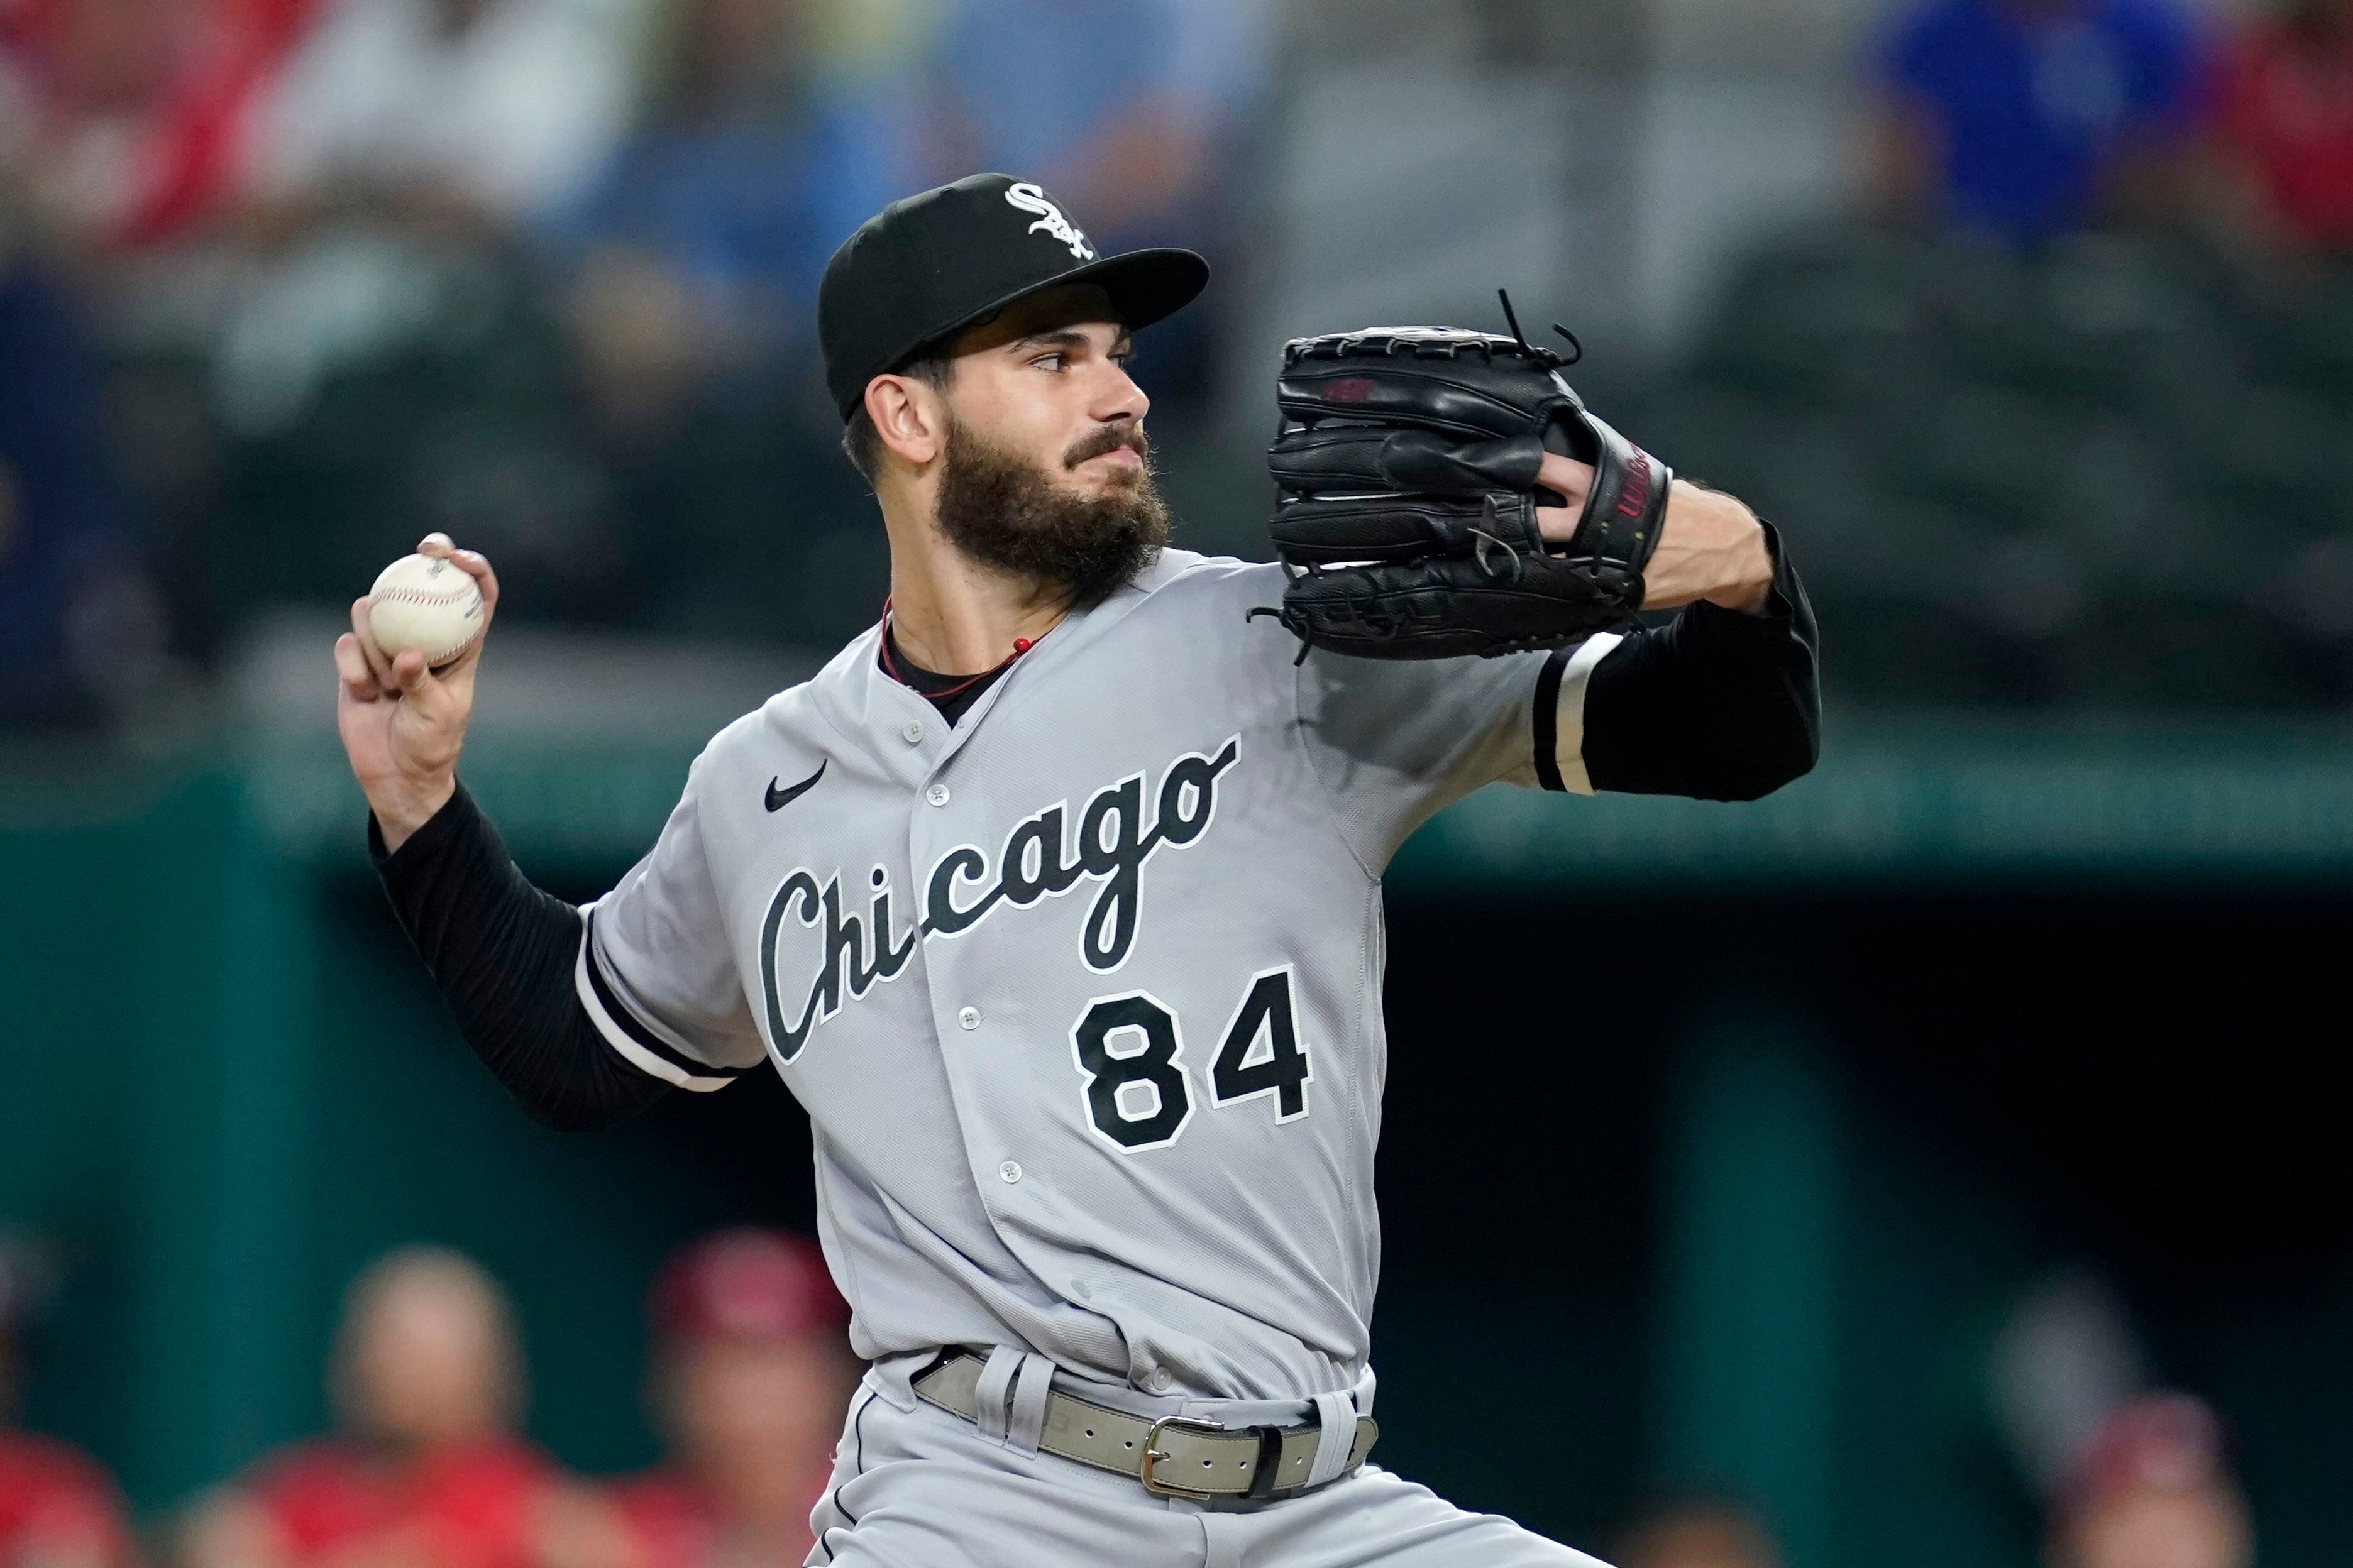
352, 669
473, 563
378, 665
1572, 481
409, 672
477, 565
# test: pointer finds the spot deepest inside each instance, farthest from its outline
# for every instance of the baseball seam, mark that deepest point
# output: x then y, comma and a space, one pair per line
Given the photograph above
436, 598
415, 597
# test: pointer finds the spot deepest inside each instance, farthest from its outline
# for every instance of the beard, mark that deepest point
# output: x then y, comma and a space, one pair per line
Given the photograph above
1006, 511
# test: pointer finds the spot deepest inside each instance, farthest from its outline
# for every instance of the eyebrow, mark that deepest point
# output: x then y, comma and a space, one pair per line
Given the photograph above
1067, 338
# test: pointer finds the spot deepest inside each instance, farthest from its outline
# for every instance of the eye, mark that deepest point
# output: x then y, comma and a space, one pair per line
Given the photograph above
1054, 361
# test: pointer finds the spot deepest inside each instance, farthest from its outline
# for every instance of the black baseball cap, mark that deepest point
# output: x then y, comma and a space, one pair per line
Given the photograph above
926, 267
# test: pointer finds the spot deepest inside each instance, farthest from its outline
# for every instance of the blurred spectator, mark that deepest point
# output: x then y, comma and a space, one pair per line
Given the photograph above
57, 1508
1130, 112
460, 117
2129, 1478
703, 240
752, 1374
2027, 120
1126, 133
426, 1471
140, 107
82, 630
396, 175
2067, 1357
870, 37
1698, 1533
2285, 108
2155, 1490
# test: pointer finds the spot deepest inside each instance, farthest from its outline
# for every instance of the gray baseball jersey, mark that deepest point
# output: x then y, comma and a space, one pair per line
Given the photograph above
1082, 994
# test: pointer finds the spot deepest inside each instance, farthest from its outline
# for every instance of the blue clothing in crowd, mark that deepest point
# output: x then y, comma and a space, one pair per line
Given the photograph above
750, 209
2033, 104
1045, 75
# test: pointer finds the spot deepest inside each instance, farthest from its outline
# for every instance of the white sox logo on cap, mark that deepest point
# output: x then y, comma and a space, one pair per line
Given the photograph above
1030, 199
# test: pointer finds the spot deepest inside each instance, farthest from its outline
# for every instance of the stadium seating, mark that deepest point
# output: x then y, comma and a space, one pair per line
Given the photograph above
2119, 474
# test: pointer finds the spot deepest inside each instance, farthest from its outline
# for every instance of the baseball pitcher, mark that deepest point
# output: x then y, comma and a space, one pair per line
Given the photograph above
1056, 896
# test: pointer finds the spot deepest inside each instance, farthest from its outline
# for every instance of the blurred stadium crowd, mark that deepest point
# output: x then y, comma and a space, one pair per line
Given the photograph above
2073, 420
427, 1466
2062, 414
2058, 410
286, 280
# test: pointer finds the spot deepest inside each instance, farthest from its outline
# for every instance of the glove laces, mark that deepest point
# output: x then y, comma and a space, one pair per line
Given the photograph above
1510, 319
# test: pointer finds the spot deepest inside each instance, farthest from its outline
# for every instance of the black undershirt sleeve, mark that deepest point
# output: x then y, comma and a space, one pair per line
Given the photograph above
502, 953
1715, 704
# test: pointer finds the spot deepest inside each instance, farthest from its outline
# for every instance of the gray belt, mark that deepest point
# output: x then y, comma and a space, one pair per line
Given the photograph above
1176, 1456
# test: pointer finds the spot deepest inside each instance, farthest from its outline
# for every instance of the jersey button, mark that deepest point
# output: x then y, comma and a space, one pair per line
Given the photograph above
937, 794
1159, 1381
969, 1017
1010, 1170
913, 732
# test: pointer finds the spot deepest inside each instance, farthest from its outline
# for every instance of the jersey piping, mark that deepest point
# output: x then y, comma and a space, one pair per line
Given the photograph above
630, 1036
1560, 693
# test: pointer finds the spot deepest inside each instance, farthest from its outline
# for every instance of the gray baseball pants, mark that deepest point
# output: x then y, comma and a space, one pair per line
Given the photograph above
916, 1486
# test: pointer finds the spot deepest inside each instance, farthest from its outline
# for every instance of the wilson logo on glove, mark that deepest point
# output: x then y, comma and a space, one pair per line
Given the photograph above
1635, 499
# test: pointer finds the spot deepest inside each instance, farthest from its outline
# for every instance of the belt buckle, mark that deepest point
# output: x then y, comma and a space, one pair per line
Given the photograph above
1153, 1456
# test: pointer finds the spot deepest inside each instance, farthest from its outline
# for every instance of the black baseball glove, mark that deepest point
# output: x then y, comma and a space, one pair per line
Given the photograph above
1408, 523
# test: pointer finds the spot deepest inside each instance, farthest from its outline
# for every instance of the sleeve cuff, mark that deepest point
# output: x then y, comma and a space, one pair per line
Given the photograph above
1768, 622
1560, 713
633, 1040
457, 816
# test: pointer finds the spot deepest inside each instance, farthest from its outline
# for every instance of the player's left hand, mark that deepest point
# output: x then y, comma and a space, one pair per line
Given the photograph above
1711, 547
1444, 492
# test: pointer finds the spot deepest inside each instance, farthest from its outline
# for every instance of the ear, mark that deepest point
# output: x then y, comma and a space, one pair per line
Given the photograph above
910, 416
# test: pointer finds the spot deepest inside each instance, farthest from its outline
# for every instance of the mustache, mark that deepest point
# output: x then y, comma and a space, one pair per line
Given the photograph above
1110, 439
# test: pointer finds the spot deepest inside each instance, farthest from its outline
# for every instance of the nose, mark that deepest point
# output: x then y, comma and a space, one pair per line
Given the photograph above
1121, 399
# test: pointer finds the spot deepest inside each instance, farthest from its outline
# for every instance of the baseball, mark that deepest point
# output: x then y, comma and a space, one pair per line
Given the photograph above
425, 603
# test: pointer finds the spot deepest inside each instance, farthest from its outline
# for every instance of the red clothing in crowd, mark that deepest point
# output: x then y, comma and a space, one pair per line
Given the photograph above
673, 1523
473, 1507
2285, 106
144, 104
670, 1522
57, 1504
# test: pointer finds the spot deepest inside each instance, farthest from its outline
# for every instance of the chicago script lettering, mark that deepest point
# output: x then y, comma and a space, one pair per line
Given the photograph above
1036, 861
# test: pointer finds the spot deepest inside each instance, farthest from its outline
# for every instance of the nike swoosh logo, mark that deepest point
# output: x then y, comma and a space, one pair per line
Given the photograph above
780, 798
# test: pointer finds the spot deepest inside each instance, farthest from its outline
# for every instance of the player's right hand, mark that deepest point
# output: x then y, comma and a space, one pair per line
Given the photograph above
402, 724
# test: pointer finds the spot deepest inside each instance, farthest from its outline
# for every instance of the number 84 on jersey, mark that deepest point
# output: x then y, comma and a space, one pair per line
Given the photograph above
1138, 1090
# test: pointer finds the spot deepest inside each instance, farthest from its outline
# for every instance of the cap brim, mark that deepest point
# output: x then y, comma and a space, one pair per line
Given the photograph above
1144, 286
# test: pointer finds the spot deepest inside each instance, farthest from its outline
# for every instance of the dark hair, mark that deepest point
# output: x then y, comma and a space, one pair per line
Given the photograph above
861, 442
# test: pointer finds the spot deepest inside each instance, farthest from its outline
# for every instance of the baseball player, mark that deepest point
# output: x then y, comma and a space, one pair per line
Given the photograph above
1056, 896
